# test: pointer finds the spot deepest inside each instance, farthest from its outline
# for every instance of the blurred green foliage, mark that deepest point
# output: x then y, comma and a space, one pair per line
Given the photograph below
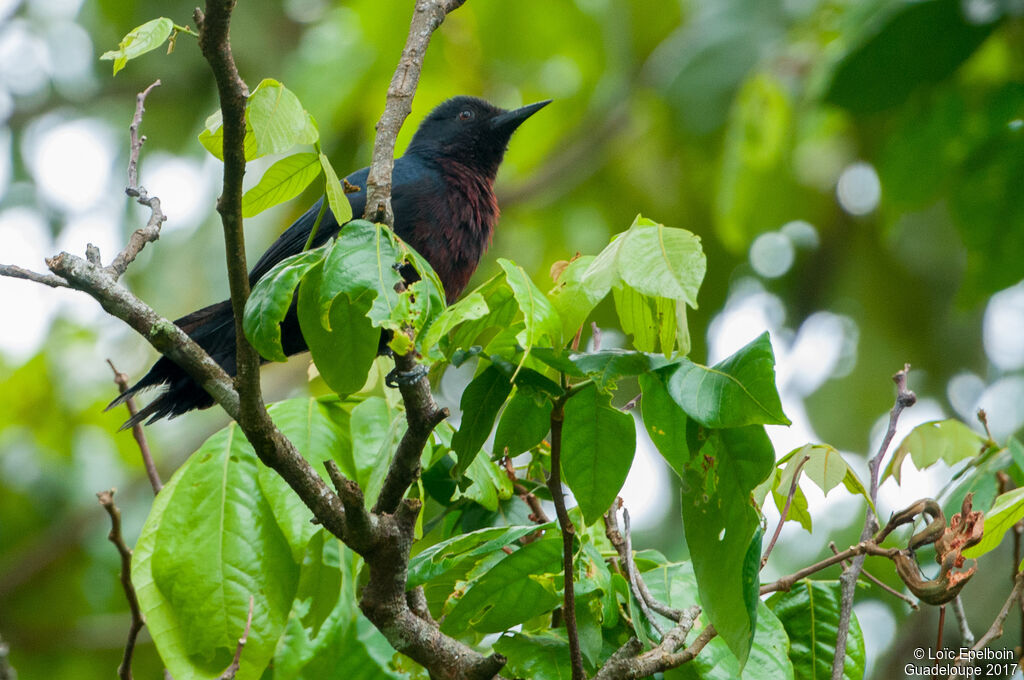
730, 118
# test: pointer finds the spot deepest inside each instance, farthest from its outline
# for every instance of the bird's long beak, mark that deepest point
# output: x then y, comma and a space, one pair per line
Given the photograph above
510, 120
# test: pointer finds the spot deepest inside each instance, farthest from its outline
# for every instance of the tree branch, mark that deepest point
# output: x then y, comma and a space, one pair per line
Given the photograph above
121, 380
904, 399
785, 511
106, 498
427, 16
568, 532
230, 672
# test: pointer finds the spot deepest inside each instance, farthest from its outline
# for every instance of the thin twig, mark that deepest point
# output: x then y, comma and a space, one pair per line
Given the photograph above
121, 380
230, 671
634, 576
537, 513
15, 272
151, 232
427, 16
785, 510
106, 498
996, 629
623, 544
568, 532
878, 582
904, 398
966, 636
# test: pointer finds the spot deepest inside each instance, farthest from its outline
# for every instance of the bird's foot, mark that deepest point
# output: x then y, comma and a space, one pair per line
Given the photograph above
397, 378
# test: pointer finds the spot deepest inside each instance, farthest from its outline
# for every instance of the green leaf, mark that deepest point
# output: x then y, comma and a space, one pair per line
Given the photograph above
490, 484
541, 319
270, 300
344, 354
480, 404
502, 309
538, 657
825, 467
665, 422
471, 307
659, 261
810, 614
376, 429
947, 440
929, 39
336, 198
217, 544
140, 40
212, 138
737, 391
465, 549
571, 298
723, 531
607, 366
320, 430
283, 181
509, 592
598, 444
277, 119
768, 660
524, 424
1005, 512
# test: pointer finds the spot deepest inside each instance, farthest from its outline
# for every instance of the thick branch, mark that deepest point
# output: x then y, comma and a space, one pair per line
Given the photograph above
427, 16
422, 415
106, 498
904, 398
215, 45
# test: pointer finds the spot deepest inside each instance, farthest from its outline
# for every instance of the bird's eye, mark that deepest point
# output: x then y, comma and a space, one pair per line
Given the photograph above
465, 115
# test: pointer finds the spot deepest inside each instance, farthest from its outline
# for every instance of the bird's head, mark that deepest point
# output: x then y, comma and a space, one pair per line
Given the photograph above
471, 131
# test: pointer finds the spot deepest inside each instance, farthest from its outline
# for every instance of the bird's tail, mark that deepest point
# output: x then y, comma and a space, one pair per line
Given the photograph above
213, 329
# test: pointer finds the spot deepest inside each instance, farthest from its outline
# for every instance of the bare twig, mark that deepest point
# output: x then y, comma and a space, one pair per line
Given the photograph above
106, 498
15, 272
966, 636
427, 16
568, 532
996, 629
230, 671
878, 582
625, 665
537, 513
121, 380
904, 399
785, 510
151, 232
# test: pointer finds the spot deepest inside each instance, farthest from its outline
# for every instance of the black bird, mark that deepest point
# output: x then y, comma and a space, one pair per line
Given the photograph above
444, 205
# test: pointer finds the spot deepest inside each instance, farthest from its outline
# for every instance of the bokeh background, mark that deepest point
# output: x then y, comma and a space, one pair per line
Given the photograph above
855, 169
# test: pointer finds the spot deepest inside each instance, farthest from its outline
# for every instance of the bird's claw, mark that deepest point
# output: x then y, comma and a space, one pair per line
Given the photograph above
397, 378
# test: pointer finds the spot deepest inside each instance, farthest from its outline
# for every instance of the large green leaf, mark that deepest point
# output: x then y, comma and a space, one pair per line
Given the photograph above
598, 444
539, 315
810, 614
737, 391
470, 307
1005, 512
218, 544
538, 657
480, 404
212, 138
947, 440
659, 261
524, 423
607, 366
277, 119
362, 261
282, 181
270, 299
929, 39
140, 40
319, 429
656, 323
572, 299
516, 589
723, 531
665, 422
768, 660
344, 354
